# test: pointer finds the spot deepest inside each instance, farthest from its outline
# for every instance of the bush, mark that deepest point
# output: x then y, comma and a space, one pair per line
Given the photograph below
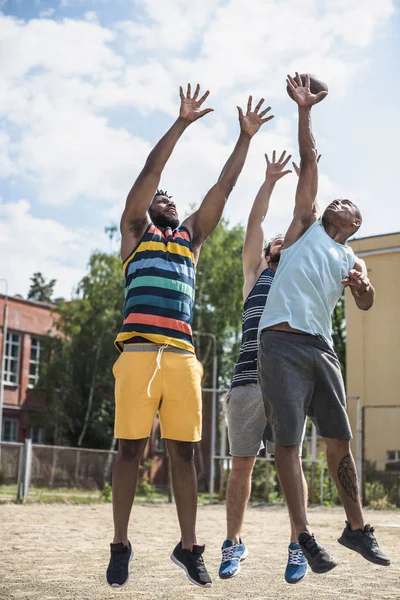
106, 493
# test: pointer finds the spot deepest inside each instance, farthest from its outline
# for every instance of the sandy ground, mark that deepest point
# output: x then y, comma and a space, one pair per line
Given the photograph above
59, 552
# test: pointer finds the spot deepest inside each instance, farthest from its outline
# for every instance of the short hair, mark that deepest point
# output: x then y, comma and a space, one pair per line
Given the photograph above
161, 193
267, 247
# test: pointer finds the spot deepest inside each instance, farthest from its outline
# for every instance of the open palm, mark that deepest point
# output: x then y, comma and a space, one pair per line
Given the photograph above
276, 168
191, 107
251, 122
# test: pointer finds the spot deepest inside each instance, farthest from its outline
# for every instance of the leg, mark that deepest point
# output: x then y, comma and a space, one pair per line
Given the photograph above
293, 535
124, 480
343, 472
184, 483
238, 494
292, 480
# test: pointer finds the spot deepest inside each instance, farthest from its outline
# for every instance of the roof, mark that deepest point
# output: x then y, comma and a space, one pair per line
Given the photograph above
45, 305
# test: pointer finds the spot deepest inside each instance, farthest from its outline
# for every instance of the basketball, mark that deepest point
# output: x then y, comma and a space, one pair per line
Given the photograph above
316, 85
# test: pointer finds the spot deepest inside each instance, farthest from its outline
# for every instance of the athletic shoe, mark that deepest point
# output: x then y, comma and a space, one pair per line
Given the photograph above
232, 555
118, 567
191, 561
297, 565
363, 541
318, 558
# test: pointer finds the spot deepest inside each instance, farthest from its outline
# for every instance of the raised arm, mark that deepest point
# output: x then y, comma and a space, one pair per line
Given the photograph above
362, 289
253, 246
135, 217
202, 222
306, 209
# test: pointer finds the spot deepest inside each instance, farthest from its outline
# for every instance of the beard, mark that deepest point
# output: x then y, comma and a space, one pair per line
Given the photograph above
164, 220
275, 258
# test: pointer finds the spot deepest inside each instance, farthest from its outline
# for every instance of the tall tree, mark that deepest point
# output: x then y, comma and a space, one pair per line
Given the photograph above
41, 290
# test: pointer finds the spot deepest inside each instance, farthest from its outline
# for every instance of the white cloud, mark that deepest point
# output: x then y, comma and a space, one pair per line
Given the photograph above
32, 244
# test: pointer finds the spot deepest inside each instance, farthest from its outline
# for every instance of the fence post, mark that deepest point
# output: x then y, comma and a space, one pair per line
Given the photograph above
20, 473
267, 475
24, 471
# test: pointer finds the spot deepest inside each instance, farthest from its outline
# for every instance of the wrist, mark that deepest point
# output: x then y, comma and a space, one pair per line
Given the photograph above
183, 123
245, 136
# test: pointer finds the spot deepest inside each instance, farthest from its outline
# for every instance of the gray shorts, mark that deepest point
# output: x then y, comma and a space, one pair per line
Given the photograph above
300, 376
248, 431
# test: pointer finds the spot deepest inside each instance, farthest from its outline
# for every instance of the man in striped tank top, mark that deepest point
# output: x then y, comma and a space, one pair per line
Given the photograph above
157, 369
248, 429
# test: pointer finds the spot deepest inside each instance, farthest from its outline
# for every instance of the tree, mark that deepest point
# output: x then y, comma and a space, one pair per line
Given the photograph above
339, 334
41, 290
77, 367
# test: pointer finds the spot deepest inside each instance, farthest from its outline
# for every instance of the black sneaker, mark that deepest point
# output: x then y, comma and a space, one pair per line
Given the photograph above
118, 567
363, 541
192, 562
318, 558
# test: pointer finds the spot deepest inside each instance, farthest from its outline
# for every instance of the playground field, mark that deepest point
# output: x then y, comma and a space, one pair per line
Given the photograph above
60, 552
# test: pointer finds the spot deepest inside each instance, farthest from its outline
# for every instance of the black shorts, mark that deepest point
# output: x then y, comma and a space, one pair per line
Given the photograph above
300, 376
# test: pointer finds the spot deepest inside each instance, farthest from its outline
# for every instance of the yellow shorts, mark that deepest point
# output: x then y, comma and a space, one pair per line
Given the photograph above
150, 378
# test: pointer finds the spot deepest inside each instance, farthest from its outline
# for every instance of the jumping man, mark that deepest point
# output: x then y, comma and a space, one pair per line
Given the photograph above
247, 426
157, 369
299, 371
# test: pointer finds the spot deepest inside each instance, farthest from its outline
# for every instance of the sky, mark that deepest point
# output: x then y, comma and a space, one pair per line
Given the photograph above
87, 87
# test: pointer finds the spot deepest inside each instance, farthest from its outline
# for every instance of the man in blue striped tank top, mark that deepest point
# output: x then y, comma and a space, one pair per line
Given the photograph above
248, 429
157, 369
299, 371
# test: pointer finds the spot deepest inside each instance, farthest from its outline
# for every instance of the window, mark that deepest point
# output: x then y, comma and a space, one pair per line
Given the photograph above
11, 366
34, 362
36, 435
392, 457
10, 430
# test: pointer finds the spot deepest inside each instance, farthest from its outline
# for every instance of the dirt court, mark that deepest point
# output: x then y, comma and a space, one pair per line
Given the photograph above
60, 552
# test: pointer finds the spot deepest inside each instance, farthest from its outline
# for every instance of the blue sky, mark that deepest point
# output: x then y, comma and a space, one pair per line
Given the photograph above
87, 87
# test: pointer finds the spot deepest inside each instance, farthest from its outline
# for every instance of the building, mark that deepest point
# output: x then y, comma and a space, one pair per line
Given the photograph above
373, 350
27, 323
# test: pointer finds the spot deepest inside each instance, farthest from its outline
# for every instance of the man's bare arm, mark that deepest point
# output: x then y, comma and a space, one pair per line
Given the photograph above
306, 209
135, 216
254, 240
362, 289
206, 218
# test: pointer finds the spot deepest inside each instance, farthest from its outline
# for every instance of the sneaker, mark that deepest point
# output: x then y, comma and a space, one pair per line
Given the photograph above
318, 558
118, 567
297, 565
363, 541
192, 563
232, 555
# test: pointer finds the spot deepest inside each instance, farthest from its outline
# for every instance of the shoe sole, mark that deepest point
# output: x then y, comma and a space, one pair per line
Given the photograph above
298, 580
347, 544
117, 586
325, 570
177, 562
243, 557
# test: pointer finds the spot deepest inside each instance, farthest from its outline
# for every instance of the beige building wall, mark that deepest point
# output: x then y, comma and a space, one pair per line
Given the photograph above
373, 349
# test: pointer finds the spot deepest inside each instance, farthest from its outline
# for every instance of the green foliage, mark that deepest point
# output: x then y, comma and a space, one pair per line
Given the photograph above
41, 290
275, 495
219, 300
339, 334
76, 367
106, 492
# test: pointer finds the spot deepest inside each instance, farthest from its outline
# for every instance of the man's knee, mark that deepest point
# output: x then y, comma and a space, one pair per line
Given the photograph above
243, 464
287, 450
337, 445
131, 449
180, 451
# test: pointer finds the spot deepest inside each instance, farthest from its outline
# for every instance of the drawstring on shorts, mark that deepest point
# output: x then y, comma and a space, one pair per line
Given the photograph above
158, 366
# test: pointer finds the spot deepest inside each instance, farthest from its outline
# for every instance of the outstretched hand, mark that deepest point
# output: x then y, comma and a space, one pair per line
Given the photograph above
359, 282
251, 122
301, 93
190, 107
275, 168
297, 168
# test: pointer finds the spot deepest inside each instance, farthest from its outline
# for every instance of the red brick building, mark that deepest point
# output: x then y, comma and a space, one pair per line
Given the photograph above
27, 323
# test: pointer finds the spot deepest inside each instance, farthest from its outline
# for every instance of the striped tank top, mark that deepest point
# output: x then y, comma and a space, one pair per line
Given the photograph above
159, 289
246, 367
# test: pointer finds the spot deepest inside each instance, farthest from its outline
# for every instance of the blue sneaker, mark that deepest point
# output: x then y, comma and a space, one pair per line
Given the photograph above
297, 565
232, 555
